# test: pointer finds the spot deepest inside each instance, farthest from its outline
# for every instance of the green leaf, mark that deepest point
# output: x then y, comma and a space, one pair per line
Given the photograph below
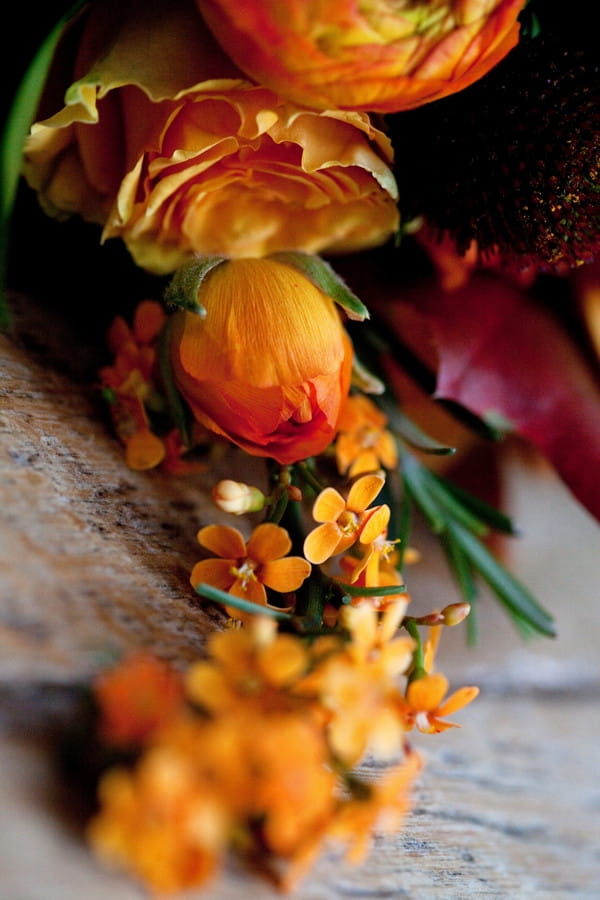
354, 590
524, 608
327, 280
463, 573
484, 511
460, 532
20, 117
182, 290
411, 433
213, 593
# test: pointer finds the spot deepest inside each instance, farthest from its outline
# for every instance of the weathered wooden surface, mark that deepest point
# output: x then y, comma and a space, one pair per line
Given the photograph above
95, 559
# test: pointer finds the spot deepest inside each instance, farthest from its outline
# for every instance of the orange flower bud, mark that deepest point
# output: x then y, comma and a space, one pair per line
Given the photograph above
237, 498
372, 55
269, 364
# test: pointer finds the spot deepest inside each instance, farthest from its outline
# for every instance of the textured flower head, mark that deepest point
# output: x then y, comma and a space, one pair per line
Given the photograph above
169, 147
269, 365
373, 55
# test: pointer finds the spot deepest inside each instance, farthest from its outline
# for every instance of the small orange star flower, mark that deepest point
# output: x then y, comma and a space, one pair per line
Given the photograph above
423, 706
364, 444
246, 569
345, 521
131, 380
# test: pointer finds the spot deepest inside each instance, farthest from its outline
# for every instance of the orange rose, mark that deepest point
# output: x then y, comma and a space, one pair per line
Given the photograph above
375, 55
268, 366
168, 146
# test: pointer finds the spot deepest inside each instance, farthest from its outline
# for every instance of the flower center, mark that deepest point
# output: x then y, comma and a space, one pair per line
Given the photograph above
348, 522
368, 437
244, 573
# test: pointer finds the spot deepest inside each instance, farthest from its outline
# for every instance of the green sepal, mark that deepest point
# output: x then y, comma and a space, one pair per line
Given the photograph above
327, 280
178, 408
182, 290
18, 122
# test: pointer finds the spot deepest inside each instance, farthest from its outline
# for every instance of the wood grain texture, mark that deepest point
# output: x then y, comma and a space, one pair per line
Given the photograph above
95, 560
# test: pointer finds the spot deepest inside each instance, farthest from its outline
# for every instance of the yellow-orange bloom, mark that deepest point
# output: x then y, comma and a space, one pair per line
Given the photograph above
168, 146
364, 444
269, 365
130, 379
345, 521
245, 569
423, 706
372, 55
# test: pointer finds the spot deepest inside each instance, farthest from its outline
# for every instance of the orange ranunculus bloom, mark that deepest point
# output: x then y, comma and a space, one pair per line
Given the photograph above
371, 55
269, 365
168, 146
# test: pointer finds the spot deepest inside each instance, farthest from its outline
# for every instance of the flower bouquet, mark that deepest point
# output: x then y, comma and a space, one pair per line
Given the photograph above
368, 234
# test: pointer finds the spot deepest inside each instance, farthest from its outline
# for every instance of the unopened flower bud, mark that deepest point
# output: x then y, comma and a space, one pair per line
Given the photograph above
455, 613
294, 493
237, 498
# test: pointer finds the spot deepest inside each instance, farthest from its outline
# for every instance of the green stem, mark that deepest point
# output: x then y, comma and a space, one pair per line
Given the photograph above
418, 667
213, 593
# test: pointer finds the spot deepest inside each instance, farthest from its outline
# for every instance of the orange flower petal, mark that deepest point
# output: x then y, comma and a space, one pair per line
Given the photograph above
457, 700
322, 542
366, 461
250, 589
216, 572
285, 574
328, 506
387, 450
144, 450
425, 694
148, 319
222, 540
363, 492
375, 524
267, 542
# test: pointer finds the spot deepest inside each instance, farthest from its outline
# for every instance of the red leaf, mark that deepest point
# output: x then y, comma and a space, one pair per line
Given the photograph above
507, 359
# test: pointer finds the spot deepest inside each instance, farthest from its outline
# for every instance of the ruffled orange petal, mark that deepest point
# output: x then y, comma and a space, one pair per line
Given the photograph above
222, 540
457, 700
216, 572
285, 574
328, 506
268, 541
322, 542
425, 694
375, 524
363, 492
